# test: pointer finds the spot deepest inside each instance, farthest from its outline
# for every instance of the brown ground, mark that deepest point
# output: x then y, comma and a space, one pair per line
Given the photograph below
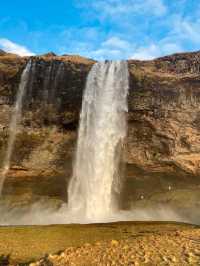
169, 248
126, 243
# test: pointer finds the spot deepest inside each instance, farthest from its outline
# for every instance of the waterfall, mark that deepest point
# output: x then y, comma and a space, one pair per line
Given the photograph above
101, 134
15, 120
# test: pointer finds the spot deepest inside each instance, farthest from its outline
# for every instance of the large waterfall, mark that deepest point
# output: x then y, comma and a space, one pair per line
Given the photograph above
15, 120
96, 175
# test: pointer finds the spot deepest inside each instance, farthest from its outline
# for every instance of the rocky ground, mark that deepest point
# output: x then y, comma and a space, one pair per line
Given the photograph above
125, 243
176, 248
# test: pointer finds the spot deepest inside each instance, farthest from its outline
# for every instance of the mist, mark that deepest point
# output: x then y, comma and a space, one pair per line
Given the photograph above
39, 214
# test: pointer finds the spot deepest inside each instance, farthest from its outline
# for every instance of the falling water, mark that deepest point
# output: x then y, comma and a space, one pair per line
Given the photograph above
15, 120
101, 134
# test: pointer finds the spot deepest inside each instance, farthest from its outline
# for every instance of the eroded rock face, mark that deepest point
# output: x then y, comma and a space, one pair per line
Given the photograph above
46, 139
163, 142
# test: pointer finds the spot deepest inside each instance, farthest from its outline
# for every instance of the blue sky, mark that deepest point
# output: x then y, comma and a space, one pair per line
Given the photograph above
100, 29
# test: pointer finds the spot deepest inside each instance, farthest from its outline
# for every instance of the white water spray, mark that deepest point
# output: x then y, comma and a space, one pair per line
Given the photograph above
15, 120
101, 134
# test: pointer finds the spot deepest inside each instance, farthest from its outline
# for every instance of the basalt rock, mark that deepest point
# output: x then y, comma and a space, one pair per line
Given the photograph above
163, 143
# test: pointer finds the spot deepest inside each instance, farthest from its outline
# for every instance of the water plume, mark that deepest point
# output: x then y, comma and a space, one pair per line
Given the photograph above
101, 136
15, 121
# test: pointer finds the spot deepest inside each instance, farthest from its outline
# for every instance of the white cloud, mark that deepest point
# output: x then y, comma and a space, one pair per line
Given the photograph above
189, 30
147, 29
115, 48
112, 48
94, 45
158, 6
102, 54
107, 8
116, 42
14, 48
156, 50
146, 53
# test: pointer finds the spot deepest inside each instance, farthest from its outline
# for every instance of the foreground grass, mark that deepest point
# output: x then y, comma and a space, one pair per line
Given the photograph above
29, 243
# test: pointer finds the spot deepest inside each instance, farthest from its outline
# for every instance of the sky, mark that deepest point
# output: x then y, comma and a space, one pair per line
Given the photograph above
100, 29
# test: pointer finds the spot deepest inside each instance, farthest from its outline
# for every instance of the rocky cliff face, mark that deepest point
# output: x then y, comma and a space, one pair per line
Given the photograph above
163, 143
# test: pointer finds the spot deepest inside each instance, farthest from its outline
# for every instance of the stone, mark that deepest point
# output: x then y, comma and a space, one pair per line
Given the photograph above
163, 125
114, 243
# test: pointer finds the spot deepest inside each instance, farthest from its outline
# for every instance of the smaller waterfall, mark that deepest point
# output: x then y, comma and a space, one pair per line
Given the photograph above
15, 120
53, 75
101, 134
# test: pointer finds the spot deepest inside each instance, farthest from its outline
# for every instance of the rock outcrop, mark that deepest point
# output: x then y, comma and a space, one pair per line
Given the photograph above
163, 143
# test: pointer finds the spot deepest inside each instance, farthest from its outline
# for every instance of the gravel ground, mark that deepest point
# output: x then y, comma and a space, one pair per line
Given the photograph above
147, 248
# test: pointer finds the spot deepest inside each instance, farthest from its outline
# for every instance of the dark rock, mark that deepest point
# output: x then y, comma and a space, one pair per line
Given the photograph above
2, 52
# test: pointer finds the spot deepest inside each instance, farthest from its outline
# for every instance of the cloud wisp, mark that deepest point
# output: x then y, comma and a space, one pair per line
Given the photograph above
115, 8
144, 29
111, 29
11, 47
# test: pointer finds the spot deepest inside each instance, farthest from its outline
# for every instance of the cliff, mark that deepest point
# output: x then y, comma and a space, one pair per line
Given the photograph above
163, 143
